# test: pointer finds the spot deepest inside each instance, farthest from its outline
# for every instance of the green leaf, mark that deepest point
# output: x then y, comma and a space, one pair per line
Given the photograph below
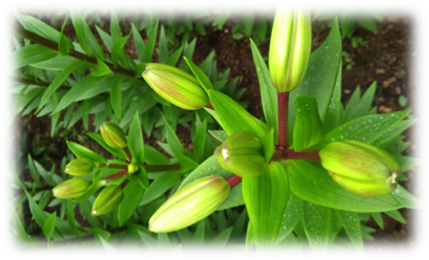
219, 135
233, 116
116, 97
200, 75
335, 110
198, 238
200, 140
109, 249
138, 42
176, 147
363, 107
351, 224
38, 27
316, 220
14, 110
95, 186
162, 46
320, 79
49, 226
172, 60
76, 91
101, 69
311, 182
395, 215
56, 83
212, 167
405, 198
83, 152
31, 54
378, 219
78, 21
71, 217
368, 23
64, 43
266, 198
135, 141
268, 92
220, 240
291, 216
140, 177
133, 193
161, 184
150, 44
153, 156
308, 129
118, 152
117, 48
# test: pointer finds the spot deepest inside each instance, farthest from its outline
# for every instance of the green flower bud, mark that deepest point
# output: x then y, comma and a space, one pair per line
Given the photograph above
290, 48
241, 154
190, 204
176, 86
132, 168
71, 189
113, 135
80, 167
360, 168
108, 199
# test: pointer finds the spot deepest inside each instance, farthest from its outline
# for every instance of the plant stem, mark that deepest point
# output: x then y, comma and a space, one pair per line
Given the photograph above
21, 31
209, 105
127, 151
311, 155
283, 103
117, 175
161, 168
233, 180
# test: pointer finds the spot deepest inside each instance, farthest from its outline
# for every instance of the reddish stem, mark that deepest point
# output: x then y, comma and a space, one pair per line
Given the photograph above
283, 104
233, 180
116, 175
311, 155
209, 105
127, 151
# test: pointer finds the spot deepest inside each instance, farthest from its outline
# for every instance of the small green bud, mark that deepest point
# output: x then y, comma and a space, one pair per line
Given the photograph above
80, 167
71, 189
241, 154
132, 168
108, 199
360, 168
190, 204
113, 135
290, 48
176, 86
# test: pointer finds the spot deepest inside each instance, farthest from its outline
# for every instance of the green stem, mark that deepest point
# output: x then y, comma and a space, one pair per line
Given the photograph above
21, 31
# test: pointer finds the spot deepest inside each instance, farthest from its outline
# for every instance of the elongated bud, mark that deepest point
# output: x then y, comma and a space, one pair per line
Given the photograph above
360, 168
190, 204
71, 189
113, 135
108, 199
290, 48
176, 86
80, 167
241, 154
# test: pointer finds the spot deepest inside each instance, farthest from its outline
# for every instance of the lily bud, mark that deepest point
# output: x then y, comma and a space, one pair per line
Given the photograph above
113, 135
176, 86
360, 168
241, 154
80, 167
290, 48
71, 189
190, 204
132, 168
108, 199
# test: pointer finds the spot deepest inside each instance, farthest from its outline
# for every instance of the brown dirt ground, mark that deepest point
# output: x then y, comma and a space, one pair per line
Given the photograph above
386, 58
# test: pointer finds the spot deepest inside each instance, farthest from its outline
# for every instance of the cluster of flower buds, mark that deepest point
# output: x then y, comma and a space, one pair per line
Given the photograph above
176, 86
190, 204
360, 168
241, 154
290, 48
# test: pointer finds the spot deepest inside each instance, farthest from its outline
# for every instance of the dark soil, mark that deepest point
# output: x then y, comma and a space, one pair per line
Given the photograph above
386, 58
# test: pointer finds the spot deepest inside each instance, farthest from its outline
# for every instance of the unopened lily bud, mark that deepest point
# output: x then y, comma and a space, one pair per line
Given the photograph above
113, 135
108, 199
80, 167
132, 168
176, 86
360, 168
290, 48
241, 154
71, 189
190, 204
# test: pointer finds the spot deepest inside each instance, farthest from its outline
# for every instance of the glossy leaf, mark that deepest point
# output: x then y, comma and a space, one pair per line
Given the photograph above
117, 48
335, 110
320, 79
310, 182
405, 198
316, 221
138, 42
118, 152
31, 54
351, 224
199, 75
291, 216
95, 186
49, 226
266, 198
308, 129
153, 156
268, 92
135, 141
150, 44
38, 27
133, 193
140, 177
233, 116
71, 217
83, 152
101, 69
161, 184
116, 97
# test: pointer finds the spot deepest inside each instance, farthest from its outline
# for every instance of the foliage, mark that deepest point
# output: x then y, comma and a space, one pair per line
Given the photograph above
94, 76
350, 15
